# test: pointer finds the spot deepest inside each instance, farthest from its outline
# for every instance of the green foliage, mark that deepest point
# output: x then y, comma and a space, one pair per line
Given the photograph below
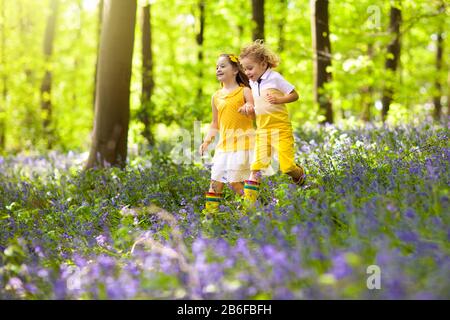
359, 37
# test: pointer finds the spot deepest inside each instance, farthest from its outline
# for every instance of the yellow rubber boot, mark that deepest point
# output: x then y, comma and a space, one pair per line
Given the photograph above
251, 192
212, 203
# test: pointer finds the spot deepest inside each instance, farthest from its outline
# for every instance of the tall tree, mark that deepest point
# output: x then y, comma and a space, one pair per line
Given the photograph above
322, 56
145, 114
99, 30
200, 39
4, 77
31, 122
448, 92
367, 90
46, 85
437, 82
26, 24
258, 19
281, 23
112, 103
439, 55
392, 57
77, 58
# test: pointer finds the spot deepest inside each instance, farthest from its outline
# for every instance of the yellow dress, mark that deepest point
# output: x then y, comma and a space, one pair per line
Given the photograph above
234, 150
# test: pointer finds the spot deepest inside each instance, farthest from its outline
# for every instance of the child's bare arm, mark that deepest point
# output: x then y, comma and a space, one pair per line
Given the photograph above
213, 129
248, 108
287, 98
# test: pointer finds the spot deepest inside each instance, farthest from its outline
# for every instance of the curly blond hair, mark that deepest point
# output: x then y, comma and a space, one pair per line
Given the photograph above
258, 52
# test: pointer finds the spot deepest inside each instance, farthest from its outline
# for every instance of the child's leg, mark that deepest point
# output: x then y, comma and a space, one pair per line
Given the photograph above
263, 157
256, 176
237, 187
251, 187
286, 155
216, 186
213, 197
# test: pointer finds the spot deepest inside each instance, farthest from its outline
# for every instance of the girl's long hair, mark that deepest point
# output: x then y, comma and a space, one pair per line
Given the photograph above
241, 78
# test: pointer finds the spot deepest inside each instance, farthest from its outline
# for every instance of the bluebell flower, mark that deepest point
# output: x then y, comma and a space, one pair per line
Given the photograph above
407, 236
410, 213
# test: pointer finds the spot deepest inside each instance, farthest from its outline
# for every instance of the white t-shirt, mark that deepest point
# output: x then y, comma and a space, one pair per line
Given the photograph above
271, 80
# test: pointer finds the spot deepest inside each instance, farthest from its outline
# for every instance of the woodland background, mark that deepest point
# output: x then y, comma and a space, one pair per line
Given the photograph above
373, 56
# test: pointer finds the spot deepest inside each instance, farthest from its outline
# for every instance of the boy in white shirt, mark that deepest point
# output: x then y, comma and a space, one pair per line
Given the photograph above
274, 130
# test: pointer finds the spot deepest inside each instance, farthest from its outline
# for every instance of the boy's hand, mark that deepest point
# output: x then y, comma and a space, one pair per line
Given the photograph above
272, 99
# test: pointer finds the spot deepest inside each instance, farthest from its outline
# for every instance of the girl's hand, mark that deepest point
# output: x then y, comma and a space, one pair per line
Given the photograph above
272, 99
249, 109
203, 148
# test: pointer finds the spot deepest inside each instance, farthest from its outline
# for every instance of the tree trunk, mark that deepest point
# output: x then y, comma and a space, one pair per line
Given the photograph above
99, 30
4, 79
448, 92
200, 40
437, 83
367, 91
112, 104
322, 56
78, 57
258, 19
25, 27
439, 55
46, 85
392, 58
281, 40
147, 75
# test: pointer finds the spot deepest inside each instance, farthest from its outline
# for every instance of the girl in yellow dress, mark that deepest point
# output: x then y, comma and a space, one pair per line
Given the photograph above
232, 117
273, 128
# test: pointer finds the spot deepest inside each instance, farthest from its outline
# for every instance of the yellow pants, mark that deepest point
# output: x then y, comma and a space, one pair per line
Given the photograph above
281, 141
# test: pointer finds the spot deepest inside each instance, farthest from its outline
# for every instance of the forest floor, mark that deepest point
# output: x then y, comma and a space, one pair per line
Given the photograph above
375, 226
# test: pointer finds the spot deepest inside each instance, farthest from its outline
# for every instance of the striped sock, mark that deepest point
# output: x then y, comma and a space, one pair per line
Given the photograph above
212, 202
251, 191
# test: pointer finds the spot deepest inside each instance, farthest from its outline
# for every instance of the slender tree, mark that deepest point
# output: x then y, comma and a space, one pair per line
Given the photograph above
26, 24
448, 92
439, 62
77, 58
367, 90
392, 58
281, 23
31, 124
258, 19
241, 21
200, 39
112, 104
147, 75
99, 30
437, 82
4, 77
46, 85
322, 56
